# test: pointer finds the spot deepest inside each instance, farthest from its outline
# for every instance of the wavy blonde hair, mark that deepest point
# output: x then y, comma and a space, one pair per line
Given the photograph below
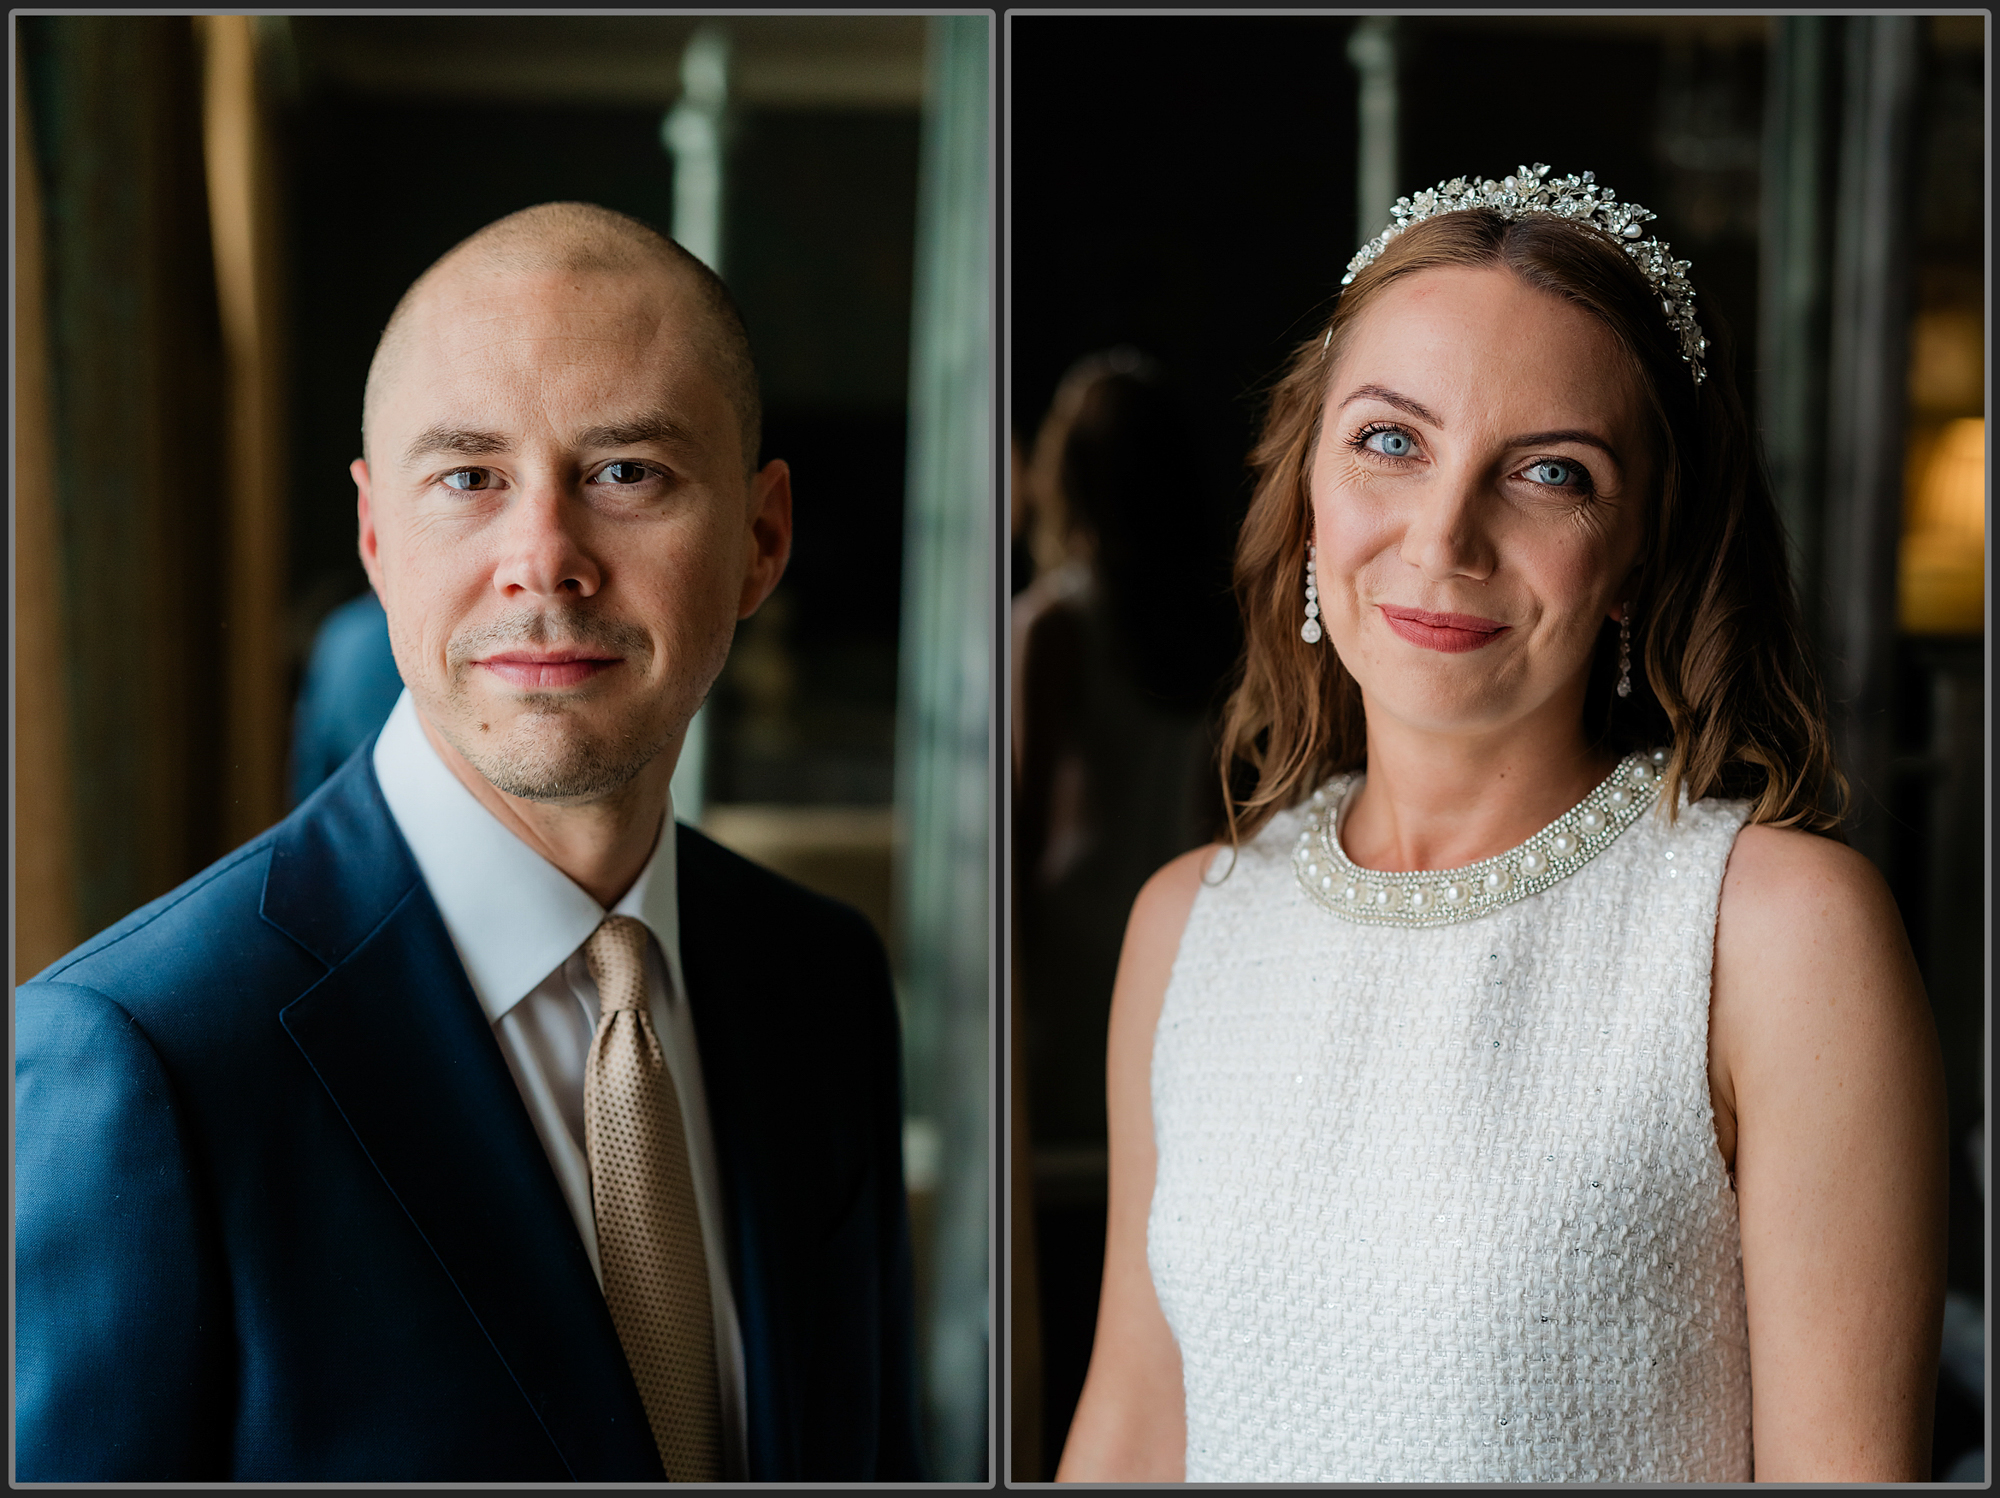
1727, 680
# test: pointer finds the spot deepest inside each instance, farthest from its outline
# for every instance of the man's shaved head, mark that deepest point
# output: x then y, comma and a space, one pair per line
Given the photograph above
584, 239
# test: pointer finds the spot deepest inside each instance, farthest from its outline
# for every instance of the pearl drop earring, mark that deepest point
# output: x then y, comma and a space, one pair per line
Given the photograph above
1625, 650
1309, 631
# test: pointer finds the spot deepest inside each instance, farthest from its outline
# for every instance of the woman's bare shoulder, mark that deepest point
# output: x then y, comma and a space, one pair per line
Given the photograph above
1153, 936
1810, 951
1166, 898
1791, 889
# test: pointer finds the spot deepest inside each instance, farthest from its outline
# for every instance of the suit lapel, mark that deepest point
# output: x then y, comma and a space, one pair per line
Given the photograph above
714, 947
397, 1038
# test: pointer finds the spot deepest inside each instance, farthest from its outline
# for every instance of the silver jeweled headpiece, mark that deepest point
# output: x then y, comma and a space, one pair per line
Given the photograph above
1529, 192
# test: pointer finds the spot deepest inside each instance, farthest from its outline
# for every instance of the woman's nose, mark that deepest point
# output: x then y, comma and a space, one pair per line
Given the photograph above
1446, 536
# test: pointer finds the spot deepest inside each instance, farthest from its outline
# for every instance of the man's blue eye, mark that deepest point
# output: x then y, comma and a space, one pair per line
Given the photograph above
1392, 444
465, 479
624, 473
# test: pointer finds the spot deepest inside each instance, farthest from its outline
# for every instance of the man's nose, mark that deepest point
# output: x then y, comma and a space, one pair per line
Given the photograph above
544, 551
1446, 534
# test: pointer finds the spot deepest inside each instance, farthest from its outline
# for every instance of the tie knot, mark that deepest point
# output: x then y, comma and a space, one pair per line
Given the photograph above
616, 953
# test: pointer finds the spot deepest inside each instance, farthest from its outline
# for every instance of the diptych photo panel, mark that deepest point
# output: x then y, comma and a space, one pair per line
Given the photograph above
1497, 675
503, 767
1000, 746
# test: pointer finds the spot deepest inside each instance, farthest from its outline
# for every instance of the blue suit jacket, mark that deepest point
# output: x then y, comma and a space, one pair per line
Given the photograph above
281, 1214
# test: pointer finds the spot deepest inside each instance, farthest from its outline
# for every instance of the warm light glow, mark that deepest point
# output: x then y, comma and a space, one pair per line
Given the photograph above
1952, 494
1942, 583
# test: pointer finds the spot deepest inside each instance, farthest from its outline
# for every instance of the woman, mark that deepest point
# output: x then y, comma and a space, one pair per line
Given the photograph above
1534, 1090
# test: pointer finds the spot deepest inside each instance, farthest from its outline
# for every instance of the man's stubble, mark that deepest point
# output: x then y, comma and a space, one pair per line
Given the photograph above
548, 752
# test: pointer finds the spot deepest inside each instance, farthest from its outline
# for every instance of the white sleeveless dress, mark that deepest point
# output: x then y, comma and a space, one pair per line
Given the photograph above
1439, 1196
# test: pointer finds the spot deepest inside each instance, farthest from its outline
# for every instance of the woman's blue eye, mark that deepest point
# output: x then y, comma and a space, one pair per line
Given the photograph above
1392, 444
1558, 475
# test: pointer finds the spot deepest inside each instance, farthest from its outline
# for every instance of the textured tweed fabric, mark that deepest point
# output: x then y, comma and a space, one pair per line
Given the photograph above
1446, 1204
648, 1228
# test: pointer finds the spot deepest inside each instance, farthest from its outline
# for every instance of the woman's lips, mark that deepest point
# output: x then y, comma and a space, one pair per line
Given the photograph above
1451, 633
539, 673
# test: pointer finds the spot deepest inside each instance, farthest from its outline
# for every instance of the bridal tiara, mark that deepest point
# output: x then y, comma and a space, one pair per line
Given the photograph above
1531, 192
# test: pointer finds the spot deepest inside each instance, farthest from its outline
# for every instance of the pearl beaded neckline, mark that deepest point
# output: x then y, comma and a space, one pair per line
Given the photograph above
1443, 897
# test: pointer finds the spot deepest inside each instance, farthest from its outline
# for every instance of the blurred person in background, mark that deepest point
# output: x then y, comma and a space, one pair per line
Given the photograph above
1535, 1088
349, 689
477, 1122
1120, 643
1020, 516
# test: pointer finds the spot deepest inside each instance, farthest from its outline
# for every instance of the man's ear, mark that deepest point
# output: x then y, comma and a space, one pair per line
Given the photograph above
770, 535
364, 514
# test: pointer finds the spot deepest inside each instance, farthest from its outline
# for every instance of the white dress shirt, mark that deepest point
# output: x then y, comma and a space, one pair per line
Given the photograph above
519, 924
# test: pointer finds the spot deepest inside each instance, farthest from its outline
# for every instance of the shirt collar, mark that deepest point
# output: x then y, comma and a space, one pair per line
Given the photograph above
513, 916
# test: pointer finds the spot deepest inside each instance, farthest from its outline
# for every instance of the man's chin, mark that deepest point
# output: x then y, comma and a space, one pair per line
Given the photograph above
542, 751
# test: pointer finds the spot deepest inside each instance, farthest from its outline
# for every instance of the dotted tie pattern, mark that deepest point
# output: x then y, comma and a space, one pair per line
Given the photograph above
648, 1227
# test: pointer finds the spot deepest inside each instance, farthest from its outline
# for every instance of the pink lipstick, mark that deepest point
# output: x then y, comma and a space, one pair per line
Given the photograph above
1451, 633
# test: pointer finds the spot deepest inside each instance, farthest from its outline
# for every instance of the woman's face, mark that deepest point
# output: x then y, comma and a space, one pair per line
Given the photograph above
1478, 494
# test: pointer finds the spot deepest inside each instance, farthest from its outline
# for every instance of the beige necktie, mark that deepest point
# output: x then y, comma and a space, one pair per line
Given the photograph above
648, 1228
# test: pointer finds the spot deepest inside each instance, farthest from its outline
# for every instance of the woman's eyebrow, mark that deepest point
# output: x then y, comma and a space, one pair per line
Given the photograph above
1532, 439
1401, 402
1542, 439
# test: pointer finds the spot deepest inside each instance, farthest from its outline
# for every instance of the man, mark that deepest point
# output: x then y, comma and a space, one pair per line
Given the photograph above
477, 1123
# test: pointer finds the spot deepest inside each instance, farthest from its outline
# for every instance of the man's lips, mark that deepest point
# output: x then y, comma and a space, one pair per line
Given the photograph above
534, 670
1451, 633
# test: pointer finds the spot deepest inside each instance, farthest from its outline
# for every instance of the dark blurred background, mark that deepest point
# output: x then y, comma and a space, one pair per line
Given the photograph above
1186, 191
215, 216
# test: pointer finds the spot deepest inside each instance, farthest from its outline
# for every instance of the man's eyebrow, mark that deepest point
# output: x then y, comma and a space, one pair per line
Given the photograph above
1401, 402
652, 428
460, 440
469, 443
